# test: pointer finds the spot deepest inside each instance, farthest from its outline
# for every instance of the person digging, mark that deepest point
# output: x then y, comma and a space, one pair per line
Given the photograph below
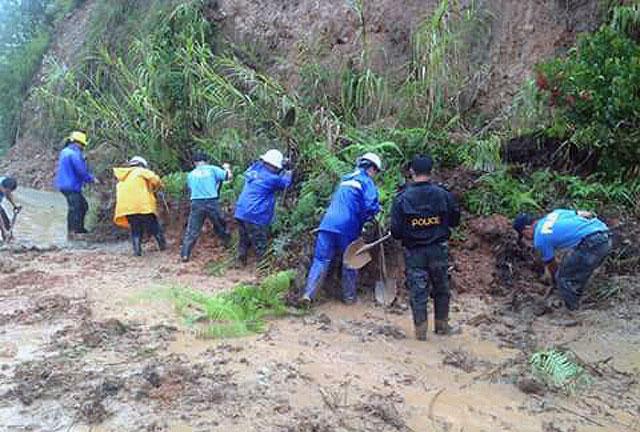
422, 216
354, 202
204, 183
256, 204
136, 204
587, 238
7, 186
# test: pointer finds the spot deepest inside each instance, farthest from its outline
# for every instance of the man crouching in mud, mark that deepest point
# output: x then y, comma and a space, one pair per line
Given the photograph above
422, 217
588, 238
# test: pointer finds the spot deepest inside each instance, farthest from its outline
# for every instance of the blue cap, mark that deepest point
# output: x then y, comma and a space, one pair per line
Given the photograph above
522, 221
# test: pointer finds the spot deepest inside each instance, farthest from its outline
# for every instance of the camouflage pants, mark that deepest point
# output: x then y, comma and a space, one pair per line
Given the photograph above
426, 270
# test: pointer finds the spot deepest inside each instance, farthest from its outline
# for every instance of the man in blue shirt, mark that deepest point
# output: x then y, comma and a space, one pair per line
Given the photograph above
73, 173
256, 205
204, 183
7, 186
354, 202
588, 238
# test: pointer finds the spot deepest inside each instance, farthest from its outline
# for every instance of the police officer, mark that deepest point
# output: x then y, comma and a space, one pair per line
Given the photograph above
256, 205
354, 203
588, 238
422, 217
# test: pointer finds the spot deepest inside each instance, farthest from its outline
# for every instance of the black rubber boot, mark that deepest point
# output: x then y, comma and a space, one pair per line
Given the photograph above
421, 331
443, 328
137, 245
241, 261
441, 312
162, 242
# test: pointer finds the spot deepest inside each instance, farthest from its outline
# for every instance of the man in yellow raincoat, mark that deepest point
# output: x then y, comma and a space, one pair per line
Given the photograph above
136, 206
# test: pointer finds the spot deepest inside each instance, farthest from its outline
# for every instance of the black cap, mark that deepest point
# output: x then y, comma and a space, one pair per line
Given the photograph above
9, 183
422, 164
200, 157
522, 221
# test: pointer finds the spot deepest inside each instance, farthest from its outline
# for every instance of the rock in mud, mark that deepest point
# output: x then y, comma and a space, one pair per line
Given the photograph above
93, 412
460, 359
531, 386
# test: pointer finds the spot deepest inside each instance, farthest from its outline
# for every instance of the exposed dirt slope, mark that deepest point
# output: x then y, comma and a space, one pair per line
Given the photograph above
288, 34
521, 34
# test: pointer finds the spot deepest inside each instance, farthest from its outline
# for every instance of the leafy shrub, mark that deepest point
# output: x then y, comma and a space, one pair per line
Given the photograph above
501, 192
175, 184
595, 94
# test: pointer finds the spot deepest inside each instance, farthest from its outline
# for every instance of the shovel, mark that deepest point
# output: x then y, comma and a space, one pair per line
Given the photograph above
385, 289
357, 253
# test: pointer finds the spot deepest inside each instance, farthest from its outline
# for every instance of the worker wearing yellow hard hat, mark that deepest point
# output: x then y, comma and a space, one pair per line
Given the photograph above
72, 174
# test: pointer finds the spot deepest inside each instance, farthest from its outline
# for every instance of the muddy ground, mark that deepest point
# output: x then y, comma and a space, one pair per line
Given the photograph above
88, 341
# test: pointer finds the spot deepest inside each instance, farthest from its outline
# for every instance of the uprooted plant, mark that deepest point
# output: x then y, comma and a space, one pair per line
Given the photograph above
238, 312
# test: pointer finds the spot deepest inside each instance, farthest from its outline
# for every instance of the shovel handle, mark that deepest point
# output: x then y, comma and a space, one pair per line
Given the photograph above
375, 243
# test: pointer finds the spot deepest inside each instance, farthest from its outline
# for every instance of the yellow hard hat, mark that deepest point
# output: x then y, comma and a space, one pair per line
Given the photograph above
79, 137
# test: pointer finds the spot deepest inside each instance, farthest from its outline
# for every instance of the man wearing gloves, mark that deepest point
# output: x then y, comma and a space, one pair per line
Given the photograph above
136, 205
256, 205
204, 183
354, 202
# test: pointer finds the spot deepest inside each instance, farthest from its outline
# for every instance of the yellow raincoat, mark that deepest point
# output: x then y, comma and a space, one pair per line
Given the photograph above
135, 193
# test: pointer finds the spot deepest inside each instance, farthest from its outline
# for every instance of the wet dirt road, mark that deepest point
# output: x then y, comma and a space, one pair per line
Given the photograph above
42, 221
89, 343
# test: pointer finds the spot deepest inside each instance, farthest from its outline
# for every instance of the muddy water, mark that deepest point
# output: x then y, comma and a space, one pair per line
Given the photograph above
42, 221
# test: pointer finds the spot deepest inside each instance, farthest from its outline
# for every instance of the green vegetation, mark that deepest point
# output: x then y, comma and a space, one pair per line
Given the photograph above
159, 79
594, 95
239, 312
558, 370
25, 33
503, 192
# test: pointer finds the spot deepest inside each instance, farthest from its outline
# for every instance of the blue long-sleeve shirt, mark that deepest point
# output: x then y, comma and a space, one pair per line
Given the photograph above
354, 202
257, 201
73, 171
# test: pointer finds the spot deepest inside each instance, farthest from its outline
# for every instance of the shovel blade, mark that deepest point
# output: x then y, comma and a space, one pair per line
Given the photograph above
385, 292
354, 260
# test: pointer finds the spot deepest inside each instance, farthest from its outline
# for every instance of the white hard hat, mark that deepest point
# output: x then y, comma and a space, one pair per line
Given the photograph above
373, 158
138, 160
273, 157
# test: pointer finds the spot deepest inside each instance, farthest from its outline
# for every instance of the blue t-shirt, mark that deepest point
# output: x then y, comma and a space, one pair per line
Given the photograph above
563, 229
204, 181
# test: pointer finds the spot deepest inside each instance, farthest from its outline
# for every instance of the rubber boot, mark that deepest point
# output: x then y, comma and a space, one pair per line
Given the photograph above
317, 274
441, 312
137, 245
421, 330
444, 328
349, 285
162, 242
